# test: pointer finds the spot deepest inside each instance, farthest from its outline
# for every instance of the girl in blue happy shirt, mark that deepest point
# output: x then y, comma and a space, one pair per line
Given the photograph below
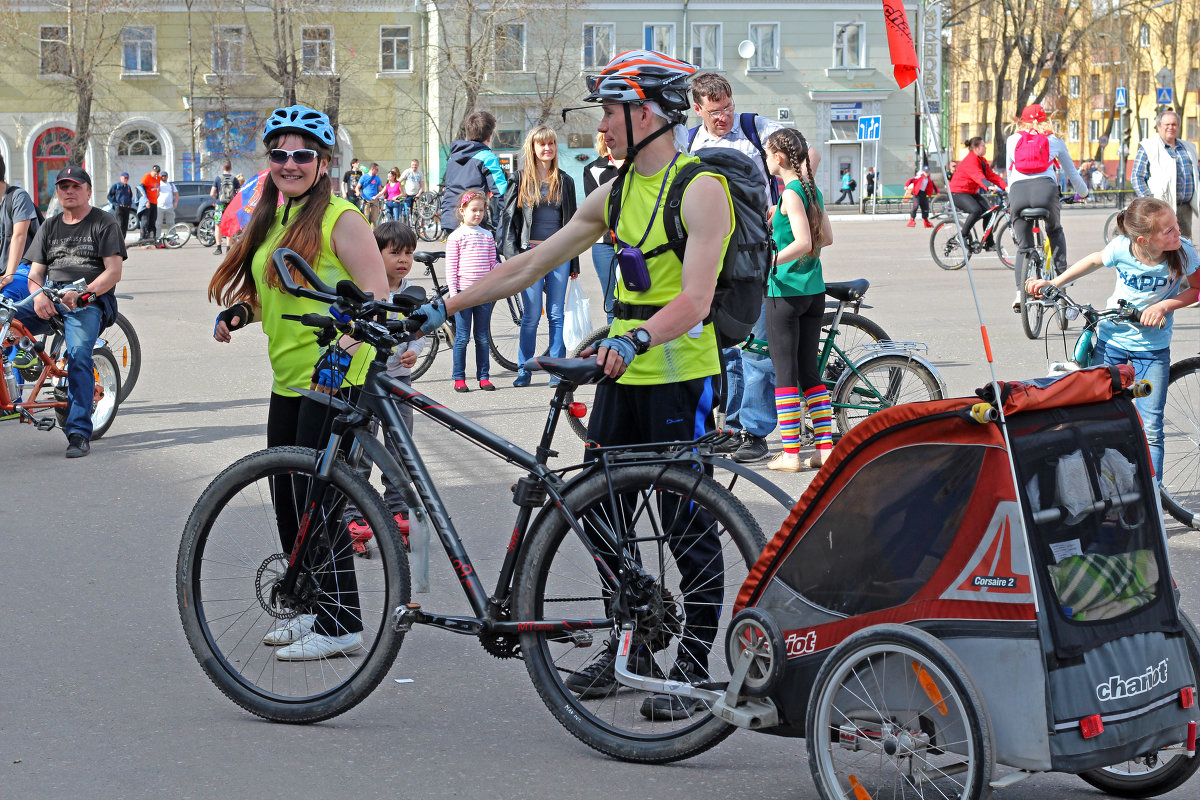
1156, 272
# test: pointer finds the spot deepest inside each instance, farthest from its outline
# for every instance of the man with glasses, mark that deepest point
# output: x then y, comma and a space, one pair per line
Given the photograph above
1165, 167
749, 395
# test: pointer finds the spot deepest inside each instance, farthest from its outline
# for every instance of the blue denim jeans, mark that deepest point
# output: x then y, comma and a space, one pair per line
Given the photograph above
604, 260
755, 409
481, 318
82, 329
393, 209
554, 286
1154, 366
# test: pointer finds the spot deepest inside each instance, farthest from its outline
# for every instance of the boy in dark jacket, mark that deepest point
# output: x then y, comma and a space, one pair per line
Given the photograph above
472, 165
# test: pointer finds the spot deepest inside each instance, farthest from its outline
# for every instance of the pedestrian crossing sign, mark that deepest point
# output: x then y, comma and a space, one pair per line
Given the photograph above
1164, 96
1122, 98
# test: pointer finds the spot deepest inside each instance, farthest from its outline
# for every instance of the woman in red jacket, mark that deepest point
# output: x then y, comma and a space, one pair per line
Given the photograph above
972, 176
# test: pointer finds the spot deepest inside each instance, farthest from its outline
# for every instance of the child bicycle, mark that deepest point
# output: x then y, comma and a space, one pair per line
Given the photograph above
637, 539
1180, 487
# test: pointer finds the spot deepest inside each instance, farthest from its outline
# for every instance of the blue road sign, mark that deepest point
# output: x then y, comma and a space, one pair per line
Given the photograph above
1164, 96
1122, 98
868, 129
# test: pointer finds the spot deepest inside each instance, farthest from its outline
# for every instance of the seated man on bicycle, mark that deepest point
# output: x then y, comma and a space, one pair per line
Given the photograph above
969, 180
666, 393
82, 242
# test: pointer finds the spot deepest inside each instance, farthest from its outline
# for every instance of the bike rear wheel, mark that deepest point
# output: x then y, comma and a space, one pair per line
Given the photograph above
1110, 227
677, 515
104, 408
945, 247
1181, 443
433, 341
122, 340
505, 341
1032, 309
1006, 244
227, 580
177, 236
882, 382
584, 394
206, 230
426, 216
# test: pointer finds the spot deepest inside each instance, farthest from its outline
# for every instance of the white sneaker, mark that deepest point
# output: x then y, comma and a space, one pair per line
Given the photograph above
1017, 303
292, 631
313, 646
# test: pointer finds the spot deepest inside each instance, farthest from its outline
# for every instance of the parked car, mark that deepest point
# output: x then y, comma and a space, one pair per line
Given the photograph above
194, 203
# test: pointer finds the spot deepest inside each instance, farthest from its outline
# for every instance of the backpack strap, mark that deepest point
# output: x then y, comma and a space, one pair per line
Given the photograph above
692, 136
673, 211
749, 124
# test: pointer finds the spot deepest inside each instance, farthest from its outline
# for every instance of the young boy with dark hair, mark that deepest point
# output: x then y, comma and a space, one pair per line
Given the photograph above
397, 243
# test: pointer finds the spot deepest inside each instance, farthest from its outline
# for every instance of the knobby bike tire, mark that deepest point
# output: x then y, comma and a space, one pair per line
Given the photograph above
883, 382
1181, 443
230, 559
557, 578
425, 359
104, 410
1032, 310
1137, 779
584, 394
1006, 243
945, 247
206, 229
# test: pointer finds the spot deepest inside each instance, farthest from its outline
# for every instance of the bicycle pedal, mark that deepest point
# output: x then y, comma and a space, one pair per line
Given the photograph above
46, 424
405, 616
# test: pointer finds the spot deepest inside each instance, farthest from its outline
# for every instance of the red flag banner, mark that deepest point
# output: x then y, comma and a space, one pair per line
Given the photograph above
900, 42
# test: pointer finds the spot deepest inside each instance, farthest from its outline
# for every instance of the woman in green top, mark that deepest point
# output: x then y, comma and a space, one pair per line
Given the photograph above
796, 301
297, 210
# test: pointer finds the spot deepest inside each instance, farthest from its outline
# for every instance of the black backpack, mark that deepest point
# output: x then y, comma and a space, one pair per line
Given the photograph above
225, 193
741, 284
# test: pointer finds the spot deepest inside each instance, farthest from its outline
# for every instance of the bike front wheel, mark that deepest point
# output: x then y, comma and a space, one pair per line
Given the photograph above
945, 246
177, 236
1006, 244
879, 383
1032, 308
1181, 443
104, 407
206, 230
239, 622
695, 543
122, 341
1110, 227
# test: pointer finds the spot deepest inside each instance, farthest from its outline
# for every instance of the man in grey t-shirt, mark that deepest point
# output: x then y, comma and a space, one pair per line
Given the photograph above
18, 224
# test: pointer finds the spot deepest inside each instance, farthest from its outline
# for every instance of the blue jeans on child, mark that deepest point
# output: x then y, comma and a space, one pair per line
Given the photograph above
481, 318
554, 286
1151, 365
604, 260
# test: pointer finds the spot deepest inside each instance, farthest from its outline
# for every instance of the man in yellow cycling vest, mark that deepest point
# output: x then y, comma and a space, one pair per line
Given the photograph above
662, 353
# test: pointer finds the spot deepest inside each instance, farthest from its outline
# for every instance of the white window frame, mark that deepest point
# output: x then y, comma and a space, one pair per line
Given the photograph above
648, 26
43, 41
720, 61
1093, 130
383, 69
861, 56
230, 68
755, 64
153, 43
612, 45
304, 42
1073, 130
1144, 35
524, 47
1073, 82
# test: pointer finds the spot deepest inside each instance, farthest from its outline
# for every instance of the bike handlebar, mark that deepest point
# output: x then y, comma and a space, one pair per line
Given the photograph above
1123, 312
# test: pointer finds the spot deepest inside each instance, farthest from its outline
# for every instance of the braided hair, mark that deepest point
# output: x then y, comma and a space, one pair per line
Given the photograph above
791, 143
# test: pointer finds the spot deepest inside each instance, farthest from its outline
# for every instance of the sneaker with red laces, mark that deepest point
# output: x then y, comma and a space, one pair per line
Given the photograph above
928, 224
360, 534
912, 223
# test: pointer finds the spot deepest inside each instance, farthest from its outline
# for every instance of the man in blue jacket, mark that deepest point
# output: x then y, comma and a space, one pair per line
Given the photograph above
120, 194
471, 164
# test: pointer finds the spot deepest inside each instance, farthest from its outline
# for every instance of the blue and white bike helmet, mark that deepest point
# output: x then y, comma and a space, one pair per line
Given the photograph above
300, 119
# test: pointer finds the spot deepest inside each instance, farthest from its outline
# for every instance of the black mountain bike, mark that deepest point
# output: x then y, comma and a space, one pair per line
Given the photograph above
998, 235
637, 540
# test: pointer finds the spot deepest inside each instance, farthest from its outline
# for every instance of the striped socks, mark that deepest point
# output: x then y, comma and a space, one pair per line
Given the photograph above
820, 413
790, 411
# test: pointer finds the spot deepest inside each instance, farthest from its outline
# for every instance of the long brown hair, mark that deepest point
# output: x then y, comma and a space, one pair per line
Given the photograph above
1142, 217
530, 192
791, 143
233, 280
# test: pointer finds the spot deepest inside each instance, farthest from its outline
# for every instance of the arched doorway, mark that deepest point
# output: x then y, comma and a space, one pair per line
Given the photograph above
138, 149
50, 151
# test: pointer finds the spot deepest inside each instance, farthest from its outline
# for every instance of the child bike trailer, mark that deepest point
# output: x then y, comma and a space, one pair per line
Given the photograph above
953, 593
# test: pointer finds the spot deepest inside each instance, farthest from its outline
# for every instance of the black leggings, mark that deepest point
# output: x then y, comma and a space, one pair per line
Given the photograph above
302, 422
970, 208
794, 333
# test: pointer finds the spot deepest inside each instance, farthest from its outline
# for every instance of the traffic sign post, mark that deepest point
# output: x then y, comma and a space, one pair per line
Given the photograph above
1122, 97
868, 131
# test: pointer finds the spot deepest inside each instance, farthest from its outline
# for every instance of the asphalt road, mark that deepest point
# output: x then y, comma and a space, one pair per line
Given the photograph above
102, 698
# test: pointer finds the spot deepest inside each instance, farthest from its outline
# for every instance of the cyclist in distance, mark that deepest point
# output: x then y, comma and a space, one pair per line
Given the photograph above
662, 354
332, 236
970, 179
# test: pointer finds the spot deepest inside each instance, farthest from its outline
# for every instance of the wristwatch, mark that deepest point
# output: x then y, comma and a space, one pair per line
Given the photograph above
640, 338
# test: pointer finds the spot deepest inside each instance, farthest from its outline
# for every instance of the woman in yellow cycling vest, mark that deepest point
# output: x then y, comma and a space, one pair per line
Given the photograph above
297, 210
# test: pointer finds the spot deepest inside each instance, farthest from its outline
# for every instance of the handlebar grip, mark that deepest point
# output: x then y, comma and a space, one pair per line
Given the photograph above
86, 299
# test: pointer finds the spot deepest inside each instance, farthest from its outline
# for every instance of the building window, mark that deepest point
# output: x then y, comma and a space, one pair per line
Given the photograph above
987, 132
55, 55
510, 48
1144, 36
1073, 131
989, 51
316, 48
964, 131
1072, 86
849, 42
706, 45
981, 91
1190, 126
229, 49
598, 44
966, 49
1093, 130
1006, 90
1143, 128
137, 44
964, 92
1143, 86
659, 36
138, 142
507, 140
1193, 79
1094, 83
765, 36
394, 45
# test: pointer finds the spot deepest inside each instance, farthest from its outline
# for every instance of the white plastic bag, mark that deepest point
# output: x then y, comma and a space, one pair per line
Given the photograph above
577, 316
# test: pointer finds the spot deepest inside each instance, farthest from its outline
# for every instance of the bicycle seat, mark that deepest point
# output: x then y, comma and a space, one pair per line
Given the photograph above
427, 257
847, 291
578, 371
1035, 213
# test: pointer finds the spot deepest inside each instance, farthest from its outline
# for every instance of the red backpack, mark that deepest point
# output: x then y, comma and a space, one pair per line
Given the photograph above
1032, 153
